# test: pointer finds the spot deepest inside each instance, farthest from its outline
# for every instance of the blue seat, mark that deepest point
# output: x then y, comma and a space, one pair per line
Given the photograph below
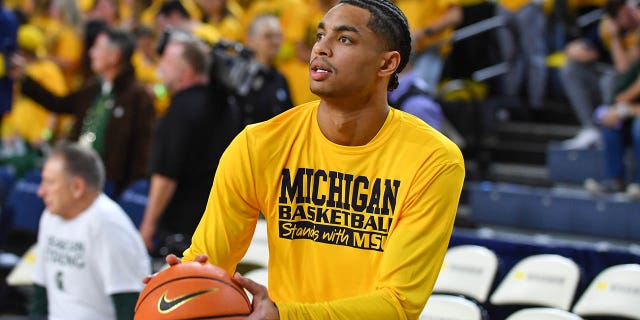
21, 213
23, 204
133, 200
7, 179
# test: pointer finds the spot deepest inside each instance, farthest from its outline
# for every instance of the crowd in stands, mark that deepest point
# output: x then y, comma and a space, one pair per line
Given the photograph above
159, 88
69, 71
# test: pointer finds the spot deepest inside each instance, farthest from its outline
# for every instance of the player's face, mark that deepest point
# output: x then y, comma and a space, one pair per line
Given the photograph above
347, 55
56, 188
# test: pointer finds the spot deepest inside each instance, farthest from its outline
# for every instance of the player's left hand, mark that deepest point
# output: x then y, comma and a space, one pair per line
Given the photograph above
263, 307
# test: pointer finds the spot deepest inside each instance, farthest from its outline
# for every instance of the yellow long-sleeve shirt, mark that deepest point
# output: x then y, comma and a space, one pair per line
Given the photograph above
354, 232
27, 118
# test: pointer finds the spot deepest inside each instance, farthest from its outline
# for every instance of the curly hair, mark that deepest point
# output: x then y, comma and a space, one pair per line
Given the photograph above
390, 23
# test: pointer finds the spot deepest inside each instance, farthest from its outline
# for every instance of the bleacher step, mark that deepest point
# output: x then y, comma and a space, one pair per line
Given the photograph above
554, 209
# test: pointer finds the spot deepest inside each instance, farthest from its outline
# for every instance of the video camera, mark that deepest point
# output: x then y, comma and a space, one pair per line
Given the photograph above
232, 66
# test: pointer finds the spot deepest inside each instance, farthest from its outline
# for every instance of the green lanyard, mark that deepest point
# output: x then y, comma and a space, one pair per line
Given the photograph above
95, 123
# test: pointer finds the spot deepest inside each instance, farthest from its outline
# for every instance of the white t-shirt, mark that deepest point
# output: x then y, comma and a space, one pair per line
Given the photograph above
82, 261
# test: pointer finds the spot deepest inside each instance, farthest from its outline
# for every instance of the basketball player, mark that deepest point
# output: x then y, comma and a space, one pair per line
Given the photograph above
359, 198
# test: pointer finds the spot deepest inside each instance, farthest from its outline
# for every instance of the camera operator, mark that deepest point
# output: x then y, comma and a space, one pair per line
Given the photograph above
269, 92
189, 139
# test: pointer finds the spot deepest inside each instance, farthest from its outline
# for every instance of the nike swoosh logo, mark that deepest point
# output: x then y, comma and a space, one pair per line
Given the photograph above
167, 305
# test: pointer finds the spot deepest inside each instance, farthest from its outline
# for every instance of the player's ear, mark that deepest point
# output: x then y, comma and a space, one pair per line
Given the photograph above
389, 62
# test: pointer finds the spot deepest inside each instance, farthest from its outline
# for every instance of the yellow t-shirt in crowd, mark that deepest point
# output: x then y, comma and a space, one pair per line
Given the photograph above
629, 39
29, 119
230, 27
147, 72
421, 13
515, 5
63, 42
148, 15
355, 232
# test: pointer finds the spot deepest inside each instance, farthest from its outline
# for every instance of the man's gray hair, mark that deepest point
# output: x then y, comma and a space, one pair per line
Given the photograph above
81, 161
195, 53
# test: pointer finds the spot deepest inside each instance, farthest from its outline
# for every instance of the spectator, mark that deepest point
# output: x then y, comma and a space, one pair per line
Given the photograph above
145, 62
432, 23
89, 258
359, 195
61, 23
28, 120
173, 15
594, 61
293, 58
225, 16
269, 94
620, 124
523, 47
412, 96
114, 112
188, 142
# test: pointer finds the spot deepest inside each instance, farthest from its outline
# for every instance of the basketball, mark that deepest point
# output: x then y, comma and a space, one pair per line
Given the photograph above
192, 290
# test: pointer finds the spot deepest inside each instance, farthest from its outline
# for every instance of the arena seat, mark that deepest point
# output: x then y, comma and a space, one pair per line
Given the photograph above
133, 200
546, 280
614, 292
543, 314
441, 306
23, 203
22, 272
468, 270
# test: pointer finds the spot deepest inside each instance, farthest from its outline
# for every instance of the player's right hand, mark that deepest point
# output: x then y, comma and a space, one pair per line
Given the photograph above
173, 260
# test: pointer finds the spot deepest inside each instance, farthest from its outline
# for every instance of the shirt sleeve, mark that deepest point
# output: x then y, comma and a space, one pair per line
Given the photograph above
413, 255
226, 228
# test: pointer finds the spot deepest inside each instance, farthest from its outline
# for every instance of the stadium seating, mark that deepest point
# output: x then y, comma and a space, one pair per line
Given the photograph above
133, 200
21, 212
23, 203
563, 210
21, 274
468, 270
7, 180
546, 280
614, 292
543, 314
450, 307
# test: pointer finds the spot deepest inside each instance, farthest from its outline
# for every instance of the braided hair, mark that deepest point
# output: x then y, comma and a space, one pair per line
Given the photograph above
391, 26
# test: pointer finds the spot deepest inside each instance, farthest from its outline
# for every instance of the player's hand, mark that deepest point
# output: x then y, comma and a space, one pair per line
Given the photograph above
173, 260
263, 307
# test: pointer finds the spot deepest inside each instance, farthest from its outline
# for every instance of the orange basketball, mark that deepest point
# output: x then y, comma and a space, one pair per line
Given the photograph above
192, 290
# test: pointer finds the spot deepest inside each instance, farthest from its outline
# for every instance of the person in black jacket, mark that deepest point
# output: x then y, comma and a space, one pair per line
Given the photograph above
188, 141
269, 93
113, 111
